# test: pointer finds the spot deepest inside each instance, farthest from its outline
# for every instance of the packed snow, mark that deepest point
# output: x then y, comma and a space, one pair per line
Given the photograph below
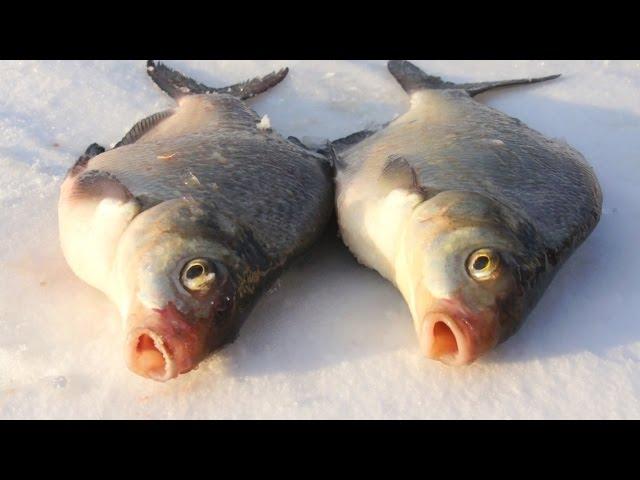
331, 339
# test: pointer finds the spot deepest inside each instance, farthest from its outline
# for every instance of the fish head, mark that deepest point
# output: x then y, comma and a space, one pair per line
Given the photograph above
178, 282
466, 274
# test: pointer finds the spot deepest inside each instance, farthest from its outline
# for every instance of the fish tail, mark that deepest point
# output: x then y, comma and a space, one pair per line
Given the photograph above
177, 85
412, 79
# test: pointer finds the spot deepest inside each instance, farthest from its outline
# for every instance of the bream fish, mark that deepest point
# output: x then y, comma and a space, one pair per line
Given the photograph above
467, 211
189, 217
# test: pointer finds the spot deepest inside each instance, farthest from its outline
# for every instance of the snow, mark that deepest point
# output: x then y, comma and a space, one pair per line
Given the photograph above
265, 123
331, 339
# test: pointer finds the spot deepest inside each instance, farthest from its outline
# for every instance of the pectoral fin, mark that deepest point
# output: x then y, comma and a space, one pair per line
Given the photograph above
94, 210
397, 173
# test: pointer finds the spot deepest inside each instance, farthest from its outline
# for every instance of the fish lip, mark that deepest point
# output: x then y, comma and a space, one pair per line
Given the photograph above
475, 334
131, 345
180, 340
464, 353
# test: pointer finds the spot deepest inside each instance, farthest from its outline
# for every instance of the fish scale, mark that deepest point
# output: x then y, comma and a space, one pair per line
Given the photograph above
254, 184
488, 152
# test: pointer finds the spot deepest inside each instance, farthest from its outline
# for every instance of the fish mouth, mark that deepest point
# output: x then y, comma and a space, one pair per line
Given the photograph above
163, 344
456, 340
149, 356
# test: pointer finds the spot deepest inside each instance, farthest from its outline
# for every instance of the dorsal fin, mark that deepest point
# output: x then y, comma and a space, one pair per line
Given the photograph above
176, 85
142, 127
412, 79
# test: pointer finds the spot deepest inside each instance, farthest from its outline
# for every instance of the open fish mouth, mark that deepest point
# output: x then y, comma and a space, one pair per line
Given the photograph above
456, 340
164, 344
149, 356
142, 222
159, 356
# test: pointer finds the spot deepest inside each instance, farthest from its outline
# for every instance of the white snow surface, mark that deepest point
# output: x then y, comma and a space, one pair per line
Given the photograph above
332, 339
264, 123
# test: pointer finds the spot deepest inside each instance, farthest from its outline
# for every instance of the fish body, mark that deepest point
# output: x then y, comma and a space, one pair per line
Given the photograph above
189, 218
467, 211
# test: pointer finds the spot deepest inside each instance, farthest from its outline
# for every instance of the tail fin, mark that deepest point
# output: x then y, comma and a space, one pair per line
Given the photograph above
412, 79
177, 85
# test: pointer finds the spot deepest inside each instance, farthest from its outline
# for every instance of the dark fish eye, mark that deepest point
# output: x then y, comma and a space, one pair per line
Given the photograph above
198, 275
483, 264
194, 271
480, 262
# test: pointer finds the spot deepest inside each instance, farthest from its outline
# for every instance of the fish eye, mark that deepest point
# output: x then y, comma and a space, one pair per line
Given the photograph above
198, 275
483, 264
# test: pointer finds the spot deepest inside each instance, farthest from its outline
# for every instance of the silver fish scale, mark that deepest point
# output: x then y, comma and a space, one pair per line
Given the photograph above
277, 188
487, 152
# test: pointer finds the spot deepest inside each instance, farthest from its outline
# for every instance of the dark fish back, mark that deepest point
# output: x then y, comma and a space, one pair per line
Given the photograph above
482, 150
282, 192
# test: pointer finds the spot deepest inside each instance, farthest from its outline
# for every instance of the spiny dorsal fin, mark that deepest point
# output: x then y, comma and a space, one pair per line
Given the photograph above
412, 79
142, 127
177, 85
